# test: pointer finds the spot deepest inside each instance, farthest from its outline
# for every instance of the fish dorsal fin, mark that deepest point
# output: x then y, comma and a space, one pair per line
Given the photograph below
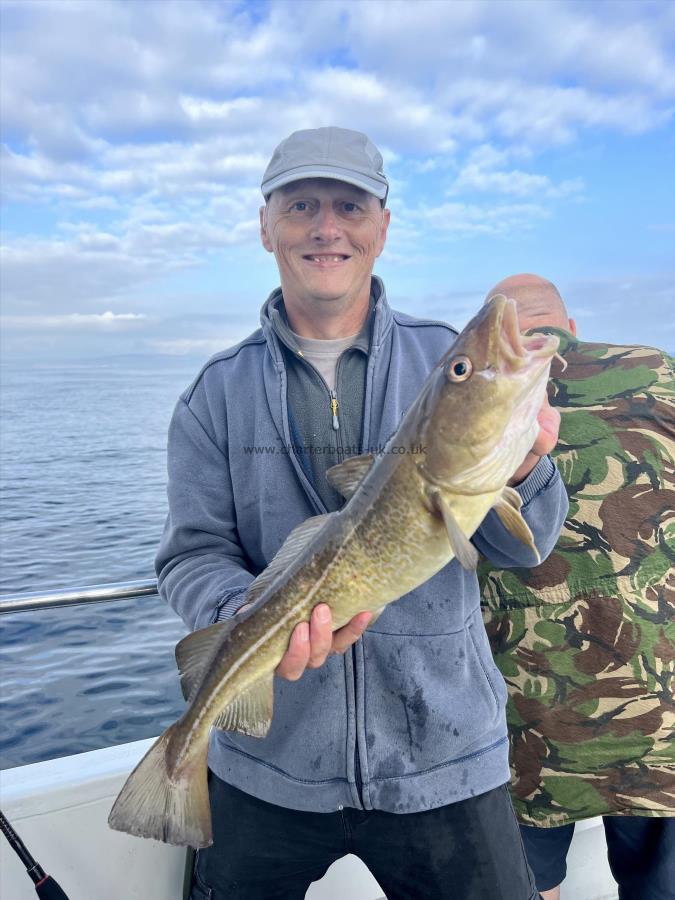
347, 475
507, 506
194, 652
296, 541
251, 712
465, 552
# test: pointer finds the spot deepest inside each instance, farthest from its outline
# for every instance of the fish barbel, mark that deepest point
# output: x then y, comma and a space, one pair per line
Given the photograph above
408, 514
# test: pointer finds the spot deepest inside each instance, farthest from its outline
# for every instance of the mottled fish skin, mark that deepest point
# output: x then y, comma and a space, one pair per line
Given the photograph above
390, 537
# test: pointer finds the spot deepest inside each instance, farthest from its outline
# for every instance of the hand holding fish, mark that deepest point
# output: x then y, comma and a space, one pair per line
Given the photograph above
549, 427
311, 643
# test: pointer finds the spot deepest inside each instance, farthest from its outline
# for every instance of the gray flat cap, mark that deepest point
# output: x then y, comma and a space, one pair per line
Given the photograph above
327, 153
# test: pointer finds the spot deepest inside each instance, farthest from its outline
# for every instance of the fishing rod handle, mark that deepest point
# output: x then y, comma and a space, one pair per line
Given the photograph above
48, 889
15, 842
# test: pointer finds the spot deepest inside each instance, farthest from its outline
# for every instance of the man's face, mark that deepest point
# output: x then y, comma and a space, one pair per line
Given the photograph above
325, 236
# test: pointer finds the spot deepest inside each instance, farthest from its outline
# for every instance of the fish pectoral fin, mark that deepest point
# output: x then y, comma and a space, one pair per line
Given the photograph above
512, 497
465, 552
193, 653
251, 712
347, 475
376, 614
507, 508
294, 544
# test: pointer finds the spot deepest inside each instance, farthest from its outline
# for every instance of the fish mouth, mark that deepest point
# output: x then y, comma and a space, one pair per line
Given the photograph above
518, 353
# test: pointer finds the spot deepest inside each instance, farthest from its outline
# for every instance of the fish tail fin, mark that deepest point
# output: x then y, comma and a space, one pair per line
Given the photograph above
169, 807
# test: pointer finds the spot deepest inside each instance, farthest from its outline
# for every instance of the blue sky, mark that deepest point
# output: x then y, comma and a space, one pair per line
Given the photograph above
518, 136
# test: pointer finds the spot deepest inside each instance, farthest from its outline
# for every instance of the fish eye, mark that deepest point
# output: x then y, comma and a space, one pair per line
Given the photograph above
459, 369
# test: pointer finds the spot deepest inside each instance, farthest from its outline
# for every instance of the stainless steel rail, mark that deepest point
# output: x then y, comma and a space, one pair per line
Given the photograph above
94, 593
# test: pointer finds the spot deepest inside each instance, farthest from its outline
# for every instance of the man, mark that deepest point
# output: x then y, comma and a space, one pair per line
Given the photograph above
586, 641
371, 751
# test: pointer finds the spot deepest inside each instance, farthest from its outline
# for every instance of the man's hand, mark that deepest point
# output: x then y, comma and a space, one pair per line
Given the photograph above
312, 642
549, 426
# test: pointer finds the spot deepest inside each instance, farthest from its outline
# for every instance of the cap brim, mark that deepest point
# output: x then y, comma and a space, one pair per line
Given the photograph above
379, 189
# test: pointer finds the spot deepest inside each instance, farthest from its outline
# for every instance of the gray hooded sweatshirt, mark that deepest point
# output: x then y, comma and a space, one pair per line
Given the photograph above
413, 718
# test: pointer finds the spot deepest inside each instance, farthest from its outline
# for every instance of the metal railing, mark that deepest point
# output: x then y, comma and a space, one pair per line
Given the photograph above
94, 593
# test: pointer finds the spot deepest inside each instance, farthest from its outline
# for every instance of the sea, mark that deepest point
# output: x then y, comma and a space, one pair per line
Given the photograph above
82, 502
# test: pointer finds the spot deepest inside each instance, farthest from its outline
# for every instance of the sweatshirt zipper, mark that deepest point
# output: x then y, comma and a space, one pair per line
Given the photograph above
357, 759
331, 393
334, 405
334, 410
358, 781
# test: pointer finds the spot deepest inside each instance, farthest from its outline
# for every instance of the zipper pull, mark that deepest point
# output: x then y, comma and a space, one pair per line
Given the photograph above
334, 410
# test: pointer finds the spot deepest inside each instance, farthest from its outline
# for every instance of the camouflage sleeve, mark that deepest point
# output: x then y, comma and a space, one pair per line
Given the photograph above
586, 641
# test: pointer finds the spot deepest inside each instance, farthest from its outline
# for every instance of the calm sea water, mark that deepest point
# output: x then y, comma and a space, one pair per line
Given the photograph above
82, 488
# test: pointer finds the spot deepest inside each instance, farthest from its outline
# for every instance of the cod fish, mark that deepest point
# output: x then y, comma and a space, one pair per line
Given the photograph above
408, 514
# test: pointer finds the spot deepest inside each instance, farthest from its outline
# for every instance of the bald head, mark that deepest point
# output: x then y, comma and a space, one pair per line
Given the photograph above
538, 301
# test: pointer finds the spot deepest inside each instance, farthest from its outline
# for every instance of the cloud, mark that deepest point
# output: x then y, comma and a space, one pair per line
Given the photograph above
480, 174
434, 41
32, 267
91, 265
545, 115
136, 133
162, 170
185, 99
106, 320
420, 76
471, 220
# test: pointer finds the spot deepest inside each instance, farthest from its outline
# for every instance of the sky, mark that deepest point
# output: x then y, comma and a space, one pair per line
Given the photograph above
517, 137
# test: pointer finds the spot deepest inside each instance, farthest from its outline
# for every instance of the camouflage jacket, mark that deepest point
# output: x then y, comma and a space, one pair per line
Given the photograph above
586, 641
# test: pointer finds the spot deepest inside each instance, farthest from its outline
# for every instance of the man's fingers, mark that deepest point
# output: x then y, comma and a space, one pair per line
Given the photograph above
549, 426
320, 635
311, 642
344, 637
548, 419
295, 659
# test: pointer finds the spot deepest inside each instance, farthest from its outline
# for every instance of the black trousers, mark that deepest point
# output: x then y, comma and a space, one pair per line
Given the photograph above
640, 850
469, 850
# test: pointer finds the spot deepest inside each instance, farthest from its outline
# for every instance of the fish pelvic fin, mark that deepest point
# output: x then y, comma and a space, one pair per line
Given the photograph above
170, 808
507, 507
251, 712
465, 553
348, 475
